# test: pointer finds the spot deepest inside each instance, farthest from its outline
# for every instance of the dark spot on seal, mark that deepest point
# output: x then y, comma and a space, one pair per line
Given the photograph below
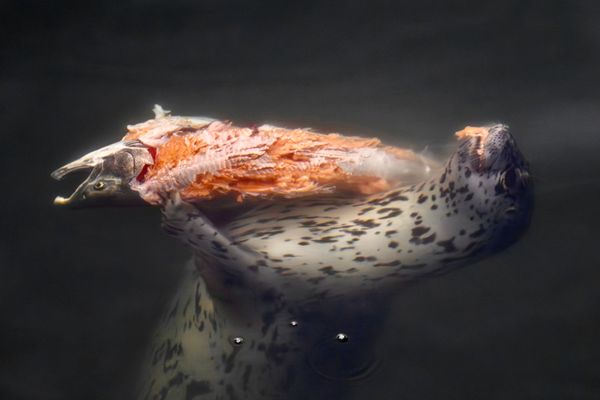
197, 388
420, 230
366, 210
447, 245
326, 223
218, 246
388, 264
392, 212
367, 223
463, 189
470, 246
173, 382
414, 266
328, 270
264, 220
315, 280
391, 197
354, 232
327, 239
423, 240
308, 223
478, 232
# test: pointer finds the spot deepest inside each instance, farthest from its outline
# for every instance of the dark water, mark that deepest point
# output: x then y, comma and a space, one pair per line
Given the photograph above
81, 291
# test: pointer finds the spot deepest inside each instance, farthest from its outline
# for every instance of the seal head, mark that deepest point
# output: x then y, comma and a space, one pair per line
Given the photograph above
489, 160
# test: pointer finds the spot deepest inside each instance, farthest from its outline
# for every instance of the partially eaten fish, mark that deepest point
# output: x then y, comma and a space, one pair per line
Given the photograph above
206, 159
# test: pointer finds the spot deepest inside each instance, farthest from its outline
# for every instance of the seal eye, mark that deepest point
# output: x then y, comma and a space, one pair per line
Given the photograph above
509, 179
99, 185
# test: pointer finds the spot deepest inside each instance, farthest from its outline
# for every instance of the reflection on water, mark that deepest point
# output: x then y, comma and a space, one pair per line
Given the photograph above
343, 358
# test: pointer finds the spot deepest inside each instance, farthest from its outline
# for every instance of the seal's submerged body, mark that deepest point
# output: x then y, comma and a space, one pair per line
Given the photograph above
285, 299
281, 300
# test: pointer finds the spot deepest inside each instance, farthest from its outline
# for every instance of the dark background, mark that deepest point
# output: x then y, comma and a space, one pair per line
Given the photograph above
80, 291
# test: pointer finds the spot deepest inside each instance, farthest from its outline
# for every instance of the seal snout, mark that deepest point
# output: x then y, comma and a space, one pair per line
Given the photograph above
488, 147
499, 150
498, 136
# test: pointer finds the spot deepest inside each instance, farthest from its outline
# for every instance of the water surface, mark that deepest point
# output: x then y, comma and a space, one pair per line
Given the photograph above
81, 291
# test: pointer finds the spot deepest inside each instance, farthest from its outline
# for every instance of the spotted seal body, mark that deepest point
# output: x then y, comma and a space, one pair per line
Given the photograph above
258, 313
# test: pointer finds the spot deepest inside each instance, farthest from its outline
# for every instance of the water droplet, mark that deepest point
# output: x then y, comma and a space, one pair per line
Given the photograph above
238, 340
294, 323
341, 337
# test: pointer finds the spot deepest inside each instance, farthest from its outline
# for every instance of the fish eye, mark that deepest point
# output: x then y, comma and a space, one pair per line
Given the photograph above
99, 185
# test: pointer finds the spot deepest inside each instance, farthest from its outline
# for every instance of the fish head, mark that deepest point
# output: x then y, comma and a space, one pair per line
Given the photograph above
112, 169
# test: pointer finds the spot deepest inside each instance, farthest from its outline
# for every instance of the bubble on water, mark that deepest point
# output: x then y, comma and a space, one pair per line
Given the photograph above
237, 340
293, 323
341, 337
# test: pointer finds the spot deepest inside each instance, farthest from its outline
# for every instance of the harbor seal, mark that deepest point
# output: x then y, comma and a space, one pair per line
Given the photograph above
285, 300
285, 297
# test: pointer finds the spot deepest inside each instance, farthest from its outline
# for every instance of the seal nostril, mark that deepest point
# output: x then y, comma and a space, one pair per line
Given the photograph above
511, 210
